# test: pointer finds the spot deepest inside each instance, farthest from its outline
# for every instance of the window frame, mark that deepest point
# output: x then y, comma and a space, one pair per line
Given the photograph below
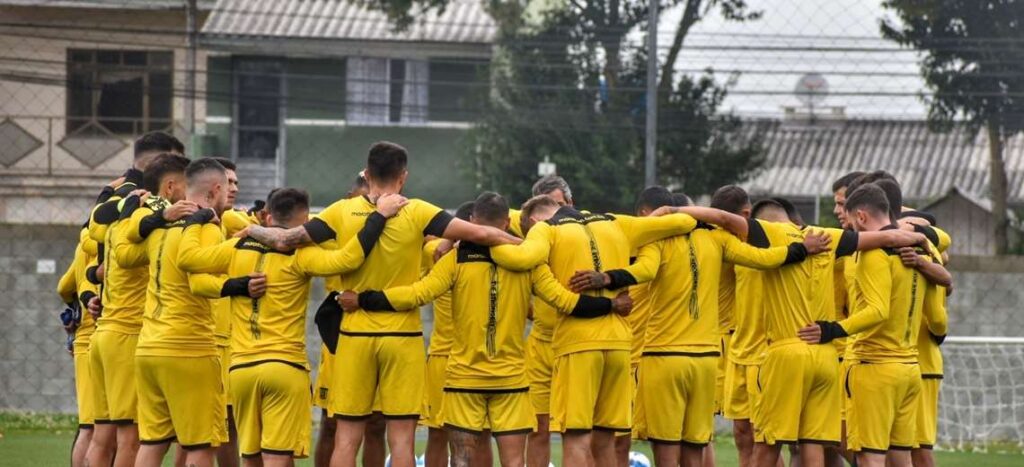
96, 69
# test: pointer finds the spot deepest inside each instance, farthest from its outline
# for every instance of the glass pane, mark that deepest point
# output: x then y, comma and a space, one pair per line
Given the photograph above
80, 56
458, 89
257, 144
162, 59
120, 102
108, 57
160, 89
366, 90
79, 94
397, 82
135, 58
259, 92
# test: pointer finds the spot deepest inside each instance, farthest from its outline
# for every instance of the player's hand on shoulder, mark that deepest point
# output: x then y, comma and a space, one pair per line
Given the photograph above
390, 203
816, 242
180, 210
910, 257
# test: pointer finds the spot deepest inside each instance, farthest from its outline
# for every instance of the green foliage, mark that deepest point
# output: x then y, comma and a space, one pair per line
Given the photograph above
19, 421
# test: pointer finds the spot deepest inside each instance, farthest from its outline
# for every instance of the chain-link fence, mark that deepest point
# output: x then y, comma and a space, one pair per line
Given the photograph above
782, 96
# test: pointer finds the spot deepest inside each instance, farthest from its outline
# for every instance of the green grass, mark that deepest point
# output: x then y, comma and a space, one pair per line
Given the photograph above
45, 440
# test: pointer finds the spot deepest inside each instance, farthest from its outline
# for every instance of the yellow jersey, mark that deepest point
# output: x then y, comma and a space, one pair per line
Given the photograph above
442, 335
232, 221
74, 286
123, 292
638, 319
750, 341
933, 331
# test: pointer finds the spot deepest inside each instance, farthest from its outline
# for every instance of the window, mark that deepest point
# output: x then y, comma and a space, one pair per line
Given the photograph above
126, 91
257, 127
382, 91
458, 89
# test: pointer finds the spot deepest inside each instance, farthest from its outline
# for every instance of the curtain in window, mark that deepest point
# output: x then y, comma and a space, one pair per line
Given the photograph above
415, 92
366, 92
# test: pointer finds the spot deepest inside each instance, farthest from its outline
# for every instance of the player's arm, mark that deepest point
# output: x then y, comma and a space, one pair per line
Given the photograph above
316, 261
458, 229
932, 270
128, 254
532, 252
202, 249
439, 280
643, 230
102, 216
733, 223
235, 221
547, 288
206, 285
743, 254
644, 269
67, 286
319, 229
874, 278
934, 314
89, 246
893, 238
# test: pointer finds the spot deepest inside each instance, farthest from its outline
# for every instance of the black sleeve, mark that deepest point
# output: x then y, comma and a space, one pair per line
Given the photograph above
592, 307
756, 235
90, 275
847, 243
201, 216
797, 253
85, 297
928, 232
919, 214
619, 278
235, 287
131, 203
371, 232
100, 249
319, 231
106, 213
938, 340
151, 222
105, 194
257, 206
438, 224
831, 330
373, 300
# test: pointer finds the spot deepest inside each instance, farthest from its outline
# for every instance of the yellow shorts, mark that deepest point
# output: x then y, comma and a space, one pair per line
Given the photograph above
928, 411
842, 384
723, 360
741, 392
324, 374
678, 392
112, 371
882, 401
180, 399
367, 366
639, 420
800, 395
84, 392
225, 364
540, 361
591, 390
433, 391
503, 412
271, 401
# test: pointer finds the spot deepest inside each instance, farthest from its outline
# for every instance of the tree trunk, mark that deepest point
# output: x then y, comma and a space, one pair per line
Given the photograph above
998, 187
689, 18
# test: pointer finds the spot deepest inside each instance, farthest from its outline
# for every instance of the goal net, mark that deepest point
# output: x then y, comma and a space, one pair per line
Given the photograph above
981, 403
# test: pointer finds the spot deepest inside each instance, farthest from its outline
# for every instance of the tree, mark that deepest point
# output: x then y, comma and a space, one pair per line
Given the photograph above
973, 62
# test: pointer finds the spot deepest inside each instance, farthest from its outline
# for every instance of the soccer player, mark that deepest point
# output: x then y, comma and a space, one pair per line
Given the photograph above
270, 373
177, 364
123, 295
679, 363
590, 383
883, 381
485, 381
383, 355
77, 291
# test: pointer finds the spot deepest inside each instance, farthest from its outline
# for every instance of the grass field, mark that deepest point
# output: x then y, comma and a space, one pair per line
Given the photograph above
45, 440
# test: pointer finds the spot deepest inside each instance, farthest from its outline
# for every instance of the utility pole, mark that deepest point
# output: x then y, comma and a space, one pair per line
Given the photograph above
651, 139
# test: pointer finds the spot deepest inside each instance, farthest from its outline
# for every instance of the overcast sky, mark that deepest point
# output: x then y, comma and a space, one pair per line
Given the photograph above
876, 79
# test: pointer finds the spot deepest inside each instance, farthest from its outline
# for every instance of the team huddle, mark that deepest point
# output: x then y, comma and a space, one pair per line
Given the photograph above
605, 328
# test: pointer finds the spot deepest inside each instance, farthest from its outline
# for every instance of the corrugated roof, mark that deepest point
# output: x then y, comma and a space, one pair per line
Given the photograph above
463, 21
803, 160
121, 4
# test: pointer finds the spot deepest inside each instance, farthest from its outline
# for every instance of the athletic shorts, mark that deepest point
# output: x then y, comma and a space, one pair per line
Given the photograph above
842, 383
84, 392
504, 412
433, 391
928, 411
391, 367
112, 371
639, 420
800, 395
741, 392
723, 361
540, 362
678, 393
591, 390
882, 401
225, 364
271, 401
180, 399
324, 375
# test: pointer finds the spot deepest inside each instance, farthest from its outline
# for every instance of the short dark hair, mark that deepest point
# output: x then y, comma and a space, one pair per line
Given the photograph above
869, 197
200, 166
764, 204
654, 197
226, 163
549, 183
386, 161
681, 200
870, 177
845, 180
791, 211
730, 198
464, 211
163, 164
285, 201
490, 206
537, 202
893, 194
158, 141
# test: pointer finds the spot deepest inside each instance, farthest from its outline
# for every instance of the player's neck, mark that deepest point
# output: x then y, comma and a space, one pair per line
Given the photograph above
876, 224
376, 191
